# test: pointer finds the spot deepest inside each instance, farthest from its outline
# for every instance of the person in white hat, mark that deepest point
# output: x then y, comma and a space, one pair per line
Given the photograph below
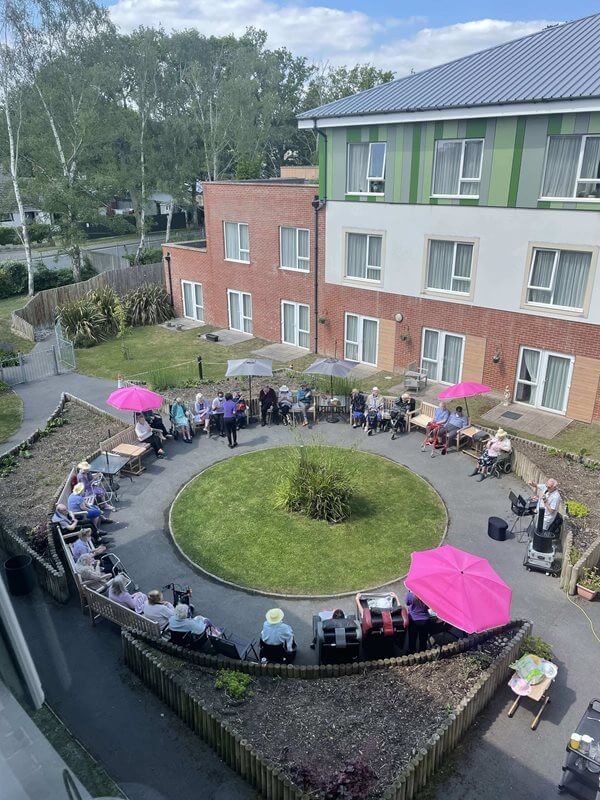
202, 412
285, 403
499, 443
276, 632
94, 491
82, 508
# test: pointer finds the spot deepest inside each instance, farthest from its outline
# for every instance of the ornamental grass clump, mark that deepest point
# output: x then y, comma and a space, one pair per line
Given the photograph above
319, 482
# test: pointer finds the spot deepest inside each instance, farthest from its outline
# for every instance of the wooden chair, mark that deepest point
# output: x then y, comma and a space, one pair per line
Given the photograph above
422, 416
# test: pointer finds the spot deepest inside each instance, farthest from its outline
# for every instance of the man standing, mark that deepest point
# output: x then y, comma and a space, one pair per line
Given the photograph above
549, 499
217, 412
229, 406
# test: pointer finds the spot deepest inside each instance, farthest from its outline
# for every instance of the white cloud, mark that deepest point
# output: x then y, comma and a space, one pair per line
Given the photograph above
326, 34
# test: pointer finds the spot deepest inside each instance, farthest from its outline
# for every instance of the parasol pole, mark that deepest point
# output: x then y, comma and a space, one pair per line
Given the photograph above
467, 409
249, 399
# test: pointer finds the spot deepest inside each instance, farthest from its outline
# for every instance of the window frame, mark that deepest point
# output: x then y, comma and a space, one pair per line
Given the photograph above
442, 334
369, 178
298, 258
296, 306
359, 343
461, 179
448, 293
547, 308
572, 198
351, 279
240, 248
538, 386
7, 216
193, 284
241, 294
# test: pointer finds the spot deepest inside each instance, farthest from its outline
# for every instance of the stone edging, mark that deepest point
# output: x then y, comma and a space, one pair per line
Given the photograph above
261, 592
265, 776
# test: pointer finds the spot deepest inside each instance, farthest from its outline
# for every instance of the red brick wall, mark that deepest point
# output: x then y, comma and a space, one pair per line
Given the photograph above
265, 207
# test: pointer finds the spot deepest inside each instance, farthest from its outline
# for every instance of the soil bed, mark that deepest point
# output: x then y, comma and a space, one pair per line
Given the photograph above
312, 729
27, 492
576, 482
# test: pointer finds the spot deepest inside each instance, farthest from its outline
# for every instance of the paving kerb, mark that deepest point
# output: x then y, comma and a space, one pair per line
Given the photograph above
505, 757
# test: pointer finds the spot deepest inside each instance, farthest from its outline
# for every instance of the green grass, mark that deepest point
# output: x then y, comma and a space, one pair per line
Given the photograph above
11, 412
7, 306
224, 520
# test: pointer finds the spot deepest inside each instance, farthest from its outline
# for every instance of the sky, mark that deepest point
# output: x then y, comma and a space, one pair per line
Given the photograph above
401, 35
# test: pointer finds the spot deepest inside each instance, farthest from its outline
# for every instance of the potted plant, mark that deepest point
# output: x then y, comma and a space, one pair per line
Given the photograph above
589, 584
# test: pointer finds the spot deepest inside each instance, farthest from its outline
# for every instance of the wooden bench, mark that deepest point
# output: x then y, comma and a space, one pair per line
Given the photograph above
422, 416
101, 607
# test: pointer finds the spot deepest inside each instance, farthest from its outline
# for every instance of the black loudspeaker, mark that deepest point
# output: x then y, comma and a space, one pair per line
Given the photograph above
540, 520
542, 542
497, 528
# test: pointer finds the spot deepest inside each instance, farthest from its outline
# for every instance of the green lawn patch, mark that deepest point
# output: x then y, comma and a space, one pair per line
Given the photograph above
225, 521
7, 338
11, 412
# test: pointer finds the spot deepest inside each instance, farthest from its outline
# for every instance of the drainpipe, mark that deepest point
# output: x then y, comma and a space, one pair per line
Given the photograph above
317, 205
168, 263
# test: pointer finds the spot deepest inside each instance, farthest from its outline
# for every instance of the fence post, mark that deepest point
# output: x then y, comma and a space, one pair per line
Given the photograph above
22, 365
56, 367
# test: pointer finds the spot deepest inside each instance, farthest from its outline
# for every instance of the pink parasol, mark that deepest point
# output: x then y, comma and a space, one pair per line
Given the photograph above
464, 390
462, 589
134, 398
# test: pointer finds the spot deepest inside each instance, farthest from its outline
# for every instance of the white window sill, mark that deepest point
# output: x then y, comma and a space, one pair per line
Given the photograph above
569, 200
362, 282
454, 197
295, 269
237, 261
366, 194
550, 309
448, 294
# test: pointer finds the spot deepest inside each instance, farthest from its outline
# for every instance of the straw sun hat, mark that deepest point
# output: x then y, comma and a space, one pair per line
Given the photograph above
274, 615
501, 434
79, 488
83, 466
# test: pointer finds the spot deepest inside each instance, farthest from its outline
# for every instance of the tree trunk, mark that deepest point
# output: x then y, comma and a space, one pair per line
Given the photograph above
14, 174
142, 217
169, 221
75, 254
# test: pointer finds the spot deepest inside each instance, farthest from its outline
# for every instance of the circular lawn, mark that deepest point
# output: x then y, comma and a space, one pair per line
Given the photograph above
224, 520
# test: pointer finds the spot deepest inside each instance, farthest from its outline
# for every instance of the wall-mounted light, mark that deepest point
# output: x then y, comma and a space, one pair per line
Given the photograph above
398, 317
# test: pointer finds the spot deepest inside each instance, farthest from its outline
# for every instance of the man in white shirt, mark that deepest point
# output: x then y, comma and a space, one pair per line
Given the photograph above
549, 499
148, 435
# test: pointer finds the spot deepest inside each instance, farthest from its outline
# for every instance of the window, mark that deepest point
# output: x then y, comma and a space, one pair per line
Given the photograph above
295, 327
449, 266
366, 168
442, 355
6, 217
237, 242
559, 278
544, 379
572, 167
363, 256
193, 302
293, 248
457, 167
361, 339
240, 311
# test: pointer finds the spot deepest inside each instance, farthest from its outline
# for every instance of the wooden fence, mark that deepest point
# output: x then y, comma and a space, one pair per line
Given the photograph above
572, 573
40, 310
265, 776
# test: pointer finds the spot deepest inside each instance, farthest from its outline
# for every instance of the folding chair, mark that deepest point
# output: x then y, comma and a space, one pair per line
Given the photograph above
232, 646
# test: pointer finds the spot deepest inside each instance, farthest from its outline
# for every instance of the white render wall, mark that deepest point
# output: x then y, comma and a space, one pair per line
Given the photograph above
500, 267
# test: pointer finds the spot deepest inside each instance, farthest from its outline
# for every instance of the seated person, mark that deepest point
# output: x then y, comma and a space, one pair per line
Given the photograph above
82, 508
499, 443
146, 435
357, 407
418, 629
327, 614
157, 608
202, 412
180, 417
276, 632
181, 622
90, 573
267, 399
84, 546
117, 591
241, 407
374, 404
304, 401
154, 419
284, 403
456, 422
93, 489
65, 519
440, 416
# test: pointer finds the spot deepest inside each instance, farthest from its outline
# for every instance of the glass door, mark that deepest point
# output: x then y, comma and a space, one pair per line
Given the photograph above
442, 355
295, 323
452, 358
193, 302
240, 311
360, 343
544, 379
557, 382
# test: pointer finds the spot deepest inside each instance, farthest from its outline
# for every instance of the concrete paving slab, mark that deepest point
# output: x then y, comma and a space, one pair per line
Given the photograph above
529, 420
281, 352
228, 337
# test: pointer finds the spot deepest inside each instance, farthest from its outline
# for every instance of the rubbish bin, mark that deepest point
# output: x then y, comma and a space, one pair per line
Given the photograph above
20, 576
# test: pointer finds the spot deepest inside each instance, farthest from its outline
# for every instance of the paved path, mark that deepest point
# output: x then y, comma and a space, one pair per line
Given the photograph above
503, 757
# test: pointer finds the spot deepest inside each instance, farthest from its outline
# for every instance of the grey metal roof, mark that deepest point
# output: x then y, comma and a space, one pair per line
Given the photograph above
558, 63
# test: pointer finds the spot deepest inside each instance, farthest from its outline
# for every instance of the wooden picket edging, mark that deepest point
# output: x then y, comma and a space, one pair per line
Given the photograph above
40, 310
141, 657
573, 572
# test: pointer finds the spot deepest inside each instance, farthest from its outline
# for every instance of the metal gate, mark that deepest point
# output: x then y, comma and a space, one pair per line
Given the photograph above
47, 358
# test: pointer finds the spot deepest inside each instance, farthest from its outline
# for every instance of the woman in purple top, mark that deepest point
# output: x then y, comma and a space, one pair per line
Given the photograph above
117, 591
418, 628
229, 419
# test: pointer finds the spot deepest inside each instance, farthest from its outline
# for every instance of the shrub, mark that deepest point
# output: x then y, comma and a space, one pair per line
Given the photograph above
149, 304
319, 483
46, 278
353, 782
235, 684
8, 358
149, 255
13, 278
110, 306
82, 322
590, 579
38, 231
8, 235
537, 647
576, 509
574, 555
